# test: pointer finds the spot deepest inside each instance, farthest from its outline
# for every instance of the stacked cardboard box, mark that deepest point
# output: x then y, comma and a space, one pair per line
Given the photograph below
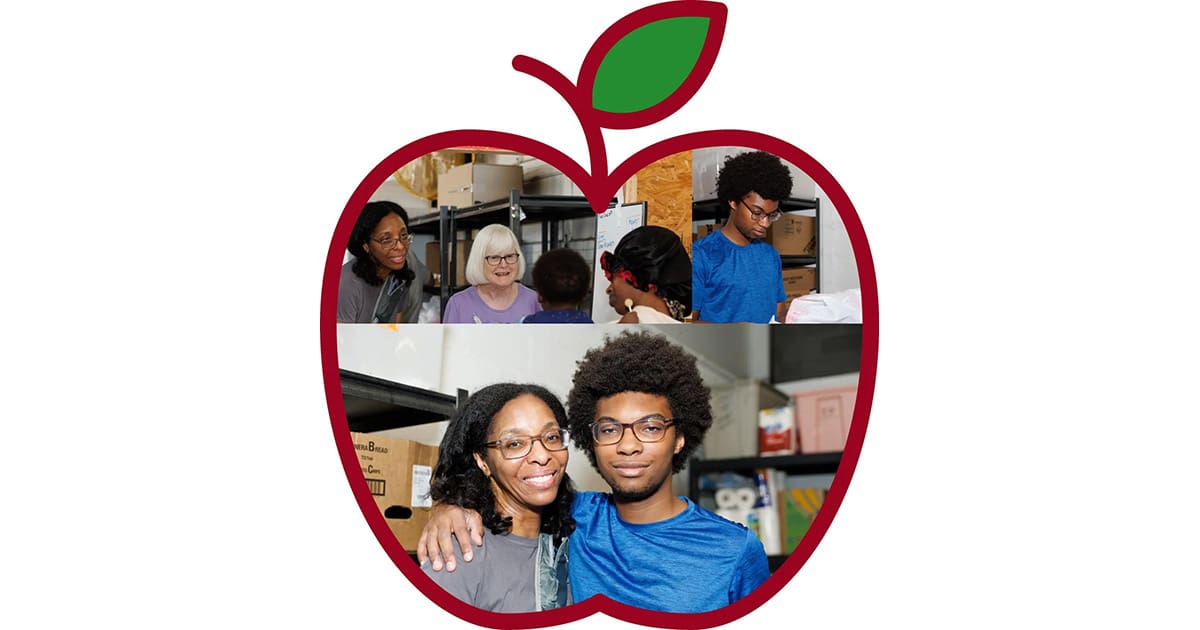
704, 230
793, 235
798, 281
475, 183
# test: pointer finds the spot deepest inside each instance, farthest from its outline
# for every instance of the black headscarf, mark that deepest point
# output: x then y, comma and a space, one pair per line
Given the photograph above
655, 256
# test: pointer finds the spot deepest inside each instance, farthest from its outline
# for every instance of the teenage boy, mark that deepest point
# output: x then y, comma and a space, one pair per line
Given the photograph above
561, 278
736, 276
638, 409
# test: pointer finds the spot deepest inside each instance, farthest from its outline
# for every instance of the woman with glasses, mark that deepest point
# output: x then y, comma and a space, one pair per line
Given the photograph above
383, 283
495, 296
650, 277
504, 455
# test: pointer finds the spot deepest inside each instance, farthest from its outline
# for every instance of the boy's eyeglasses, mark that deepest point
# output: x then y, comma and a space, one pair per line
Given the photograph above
649, 429
771, 217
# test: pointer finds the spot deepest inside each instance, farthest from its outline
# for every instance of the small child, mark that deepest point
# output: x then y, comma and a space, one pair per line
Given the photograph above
562, 279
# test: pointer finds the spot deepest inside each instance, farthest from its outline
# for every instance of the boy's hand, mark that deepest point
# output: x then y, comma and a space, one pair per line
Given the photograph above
445, 521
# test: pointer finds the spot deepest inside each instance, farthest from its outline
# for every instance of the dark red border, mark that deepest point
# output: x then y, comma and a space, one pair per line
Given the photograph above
599, 189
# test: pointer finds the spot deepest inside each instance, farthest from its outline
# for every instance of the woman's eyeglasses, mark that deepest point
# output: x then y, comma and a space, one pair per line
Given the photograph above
495, 260
771, 217
388, 242
649, 429
518, 446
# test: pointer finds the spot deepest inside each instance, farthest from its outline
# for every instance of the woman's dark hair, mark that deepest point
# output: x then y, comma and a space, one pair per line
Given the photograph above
655, 255
646, 363
457, 480
757, 171
364, 266
562, 276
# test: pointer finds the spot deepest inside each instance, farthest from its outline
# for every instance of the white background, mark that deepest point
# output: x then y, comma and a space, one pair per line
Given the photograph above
173, 172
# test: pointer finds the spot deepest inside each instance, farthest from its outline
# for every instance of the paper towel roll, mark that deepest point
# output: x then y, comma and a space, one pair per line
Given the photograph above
745, 498
726, 498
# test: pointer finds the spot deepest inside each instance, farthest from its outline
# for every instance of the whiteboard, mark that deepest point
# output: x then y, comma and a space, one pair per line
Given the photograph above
611, 226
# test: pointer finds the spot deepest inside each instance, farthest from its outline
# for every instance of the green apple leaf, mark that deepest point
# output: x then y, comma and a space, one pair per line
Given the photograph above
648, 64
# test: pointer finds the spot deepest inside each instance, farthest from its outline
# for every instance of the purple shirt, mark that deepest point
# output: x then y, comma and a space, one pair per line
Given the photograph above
466, 307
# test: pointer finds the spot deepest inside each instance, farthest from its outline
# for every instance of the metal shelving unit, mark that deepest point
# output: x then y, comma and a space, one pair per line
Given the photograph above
376, 404
548, 210
801, 464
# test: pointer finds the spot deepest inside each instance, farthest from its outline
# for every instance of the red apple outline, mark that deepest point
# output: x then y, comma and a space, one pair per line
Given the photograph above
729, 137
599, 187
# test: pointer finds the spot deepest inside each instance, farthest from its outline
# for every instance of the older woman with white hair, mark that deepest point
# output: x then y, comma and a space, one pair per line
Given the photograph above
493, 268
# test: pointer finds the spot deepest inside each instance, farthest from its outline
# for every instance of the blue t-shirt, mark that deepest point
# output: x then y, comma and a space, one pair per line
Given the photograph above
695, 561
735, 283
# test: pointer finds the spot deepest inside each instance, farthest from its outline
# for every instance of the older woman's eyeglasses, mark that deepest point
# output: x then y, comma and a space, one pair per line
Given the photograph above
518, 446
388, 242
649, 429
495, 260
771, 217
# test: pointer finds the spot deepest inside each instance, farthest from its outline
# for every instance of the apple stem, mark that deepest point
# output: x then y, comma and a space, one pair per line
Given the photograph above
578, 103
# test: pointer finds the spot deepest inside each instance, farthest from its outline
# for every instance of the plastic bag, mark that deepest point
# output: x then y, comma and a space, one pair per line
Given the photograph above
431, 311
842, 307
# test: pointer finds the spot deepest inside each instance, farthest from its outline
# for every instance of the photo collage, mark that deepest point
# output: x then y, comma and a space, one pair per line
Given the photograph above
546, 401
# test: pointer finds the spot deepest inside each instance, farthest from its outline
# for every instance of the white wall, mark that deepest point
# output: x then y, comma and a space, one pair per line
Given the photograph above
390, 190
839, 271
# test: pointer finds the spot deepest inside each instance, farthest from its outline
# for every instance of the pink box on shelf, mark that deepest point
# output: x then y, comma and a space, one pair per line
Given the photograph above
823, 418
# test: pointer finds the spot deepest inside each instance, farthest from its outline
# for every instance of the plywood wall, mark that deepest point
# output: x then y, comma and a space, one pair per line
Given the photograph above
666, 187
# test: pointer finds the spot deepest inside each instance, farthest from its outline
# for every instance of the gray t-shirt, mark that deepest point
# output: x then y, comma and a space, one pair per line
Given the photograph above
500, 578
357, 299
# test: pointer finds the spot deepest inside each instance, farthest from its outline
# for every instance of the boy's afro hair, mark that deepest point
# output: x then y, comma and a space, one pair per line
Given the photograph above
647, 363
757, 171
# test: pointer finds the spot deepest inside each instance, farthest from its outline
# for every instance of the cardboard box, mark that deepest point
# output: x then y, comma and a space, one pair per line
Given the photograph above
798, 281
734, 432
823, 418
794, 235
471, 184
398, 473
705, 229
433, 259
